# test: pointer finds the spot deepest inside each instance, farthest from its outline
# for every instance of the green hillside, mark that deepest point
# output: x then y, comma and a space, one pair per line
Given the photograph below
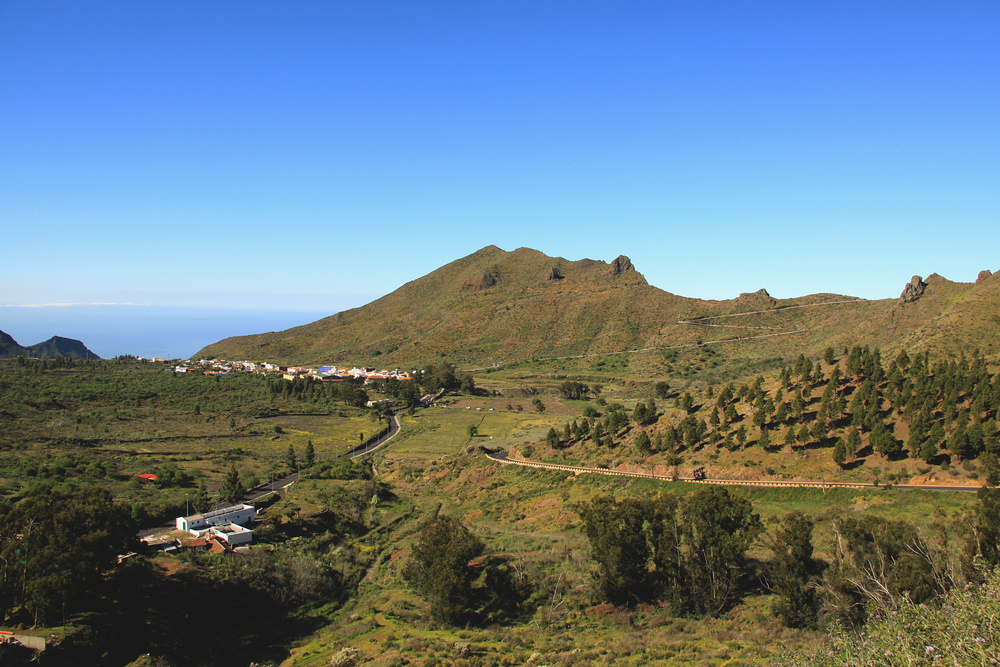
495, 308
57, 346
10, 348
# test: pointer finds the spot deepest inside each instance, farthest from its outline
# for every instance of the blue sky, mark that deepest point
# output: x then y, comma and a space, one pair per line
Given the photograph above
316, 155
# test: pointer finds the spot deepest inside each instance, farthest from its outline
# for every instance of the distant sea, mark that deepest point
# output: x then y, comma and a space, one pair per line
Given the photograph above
145, 331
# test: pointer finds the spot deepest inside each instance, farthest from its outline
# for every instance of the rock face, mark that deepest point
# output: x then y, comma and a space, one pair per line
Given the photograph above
555, 275
758, 298
489, 279
983, 275
913, 290
621, 265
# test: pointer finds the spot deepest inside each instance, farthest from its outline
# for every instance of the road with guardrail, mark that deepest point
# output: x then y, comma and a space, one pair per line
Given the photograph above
502, 458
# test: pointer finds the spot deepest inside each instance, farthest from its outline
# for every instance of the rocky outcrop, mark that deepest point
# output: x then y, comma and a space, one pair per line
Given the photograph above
555, 275
758, 298
983, 275
913, 290
622, 264
489, 279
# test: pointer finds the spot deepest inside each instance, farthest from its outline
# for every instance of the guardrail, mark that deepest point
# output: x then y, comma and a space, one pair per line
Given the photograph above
816, 484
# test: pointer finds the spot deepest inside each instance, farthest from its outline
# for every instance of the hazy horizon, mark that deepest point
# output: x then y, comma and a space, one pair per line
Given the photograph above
145, 331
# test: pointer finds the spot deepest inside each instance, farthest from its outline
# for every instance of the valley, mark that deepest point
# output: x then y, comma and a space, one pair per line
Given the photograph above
536, 488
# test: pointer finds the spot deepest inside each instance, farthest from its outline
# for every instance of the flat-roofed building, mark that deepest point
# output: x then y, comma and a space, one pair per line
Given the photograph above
232, 534
238, 514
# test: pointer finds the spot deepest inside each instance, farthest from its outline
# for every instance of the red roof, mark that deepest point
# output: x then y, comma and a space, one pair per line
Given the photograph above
147, 475
217, 547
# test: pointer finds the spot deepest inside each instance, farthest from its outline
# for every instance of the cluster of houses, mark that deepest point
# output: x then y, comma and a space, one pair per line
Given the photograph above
219, 531
323, 373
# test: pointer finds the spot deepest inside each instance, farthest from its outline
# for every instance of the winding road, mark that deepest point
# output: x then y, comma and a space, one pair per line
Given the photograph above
501, 457
370, 446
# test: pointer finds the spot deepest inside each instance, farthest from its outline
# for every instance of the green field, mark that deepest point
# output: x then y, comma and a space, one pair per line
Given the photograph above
347, 529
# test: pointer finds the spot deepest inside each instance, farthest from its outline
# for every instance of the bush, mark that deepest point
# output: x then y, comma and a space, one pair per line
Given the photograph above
439, 567
960, 629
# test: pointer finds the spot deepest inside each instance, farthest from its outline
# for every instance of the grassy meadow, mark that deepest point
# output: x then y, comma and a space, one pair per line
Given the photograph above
102, 424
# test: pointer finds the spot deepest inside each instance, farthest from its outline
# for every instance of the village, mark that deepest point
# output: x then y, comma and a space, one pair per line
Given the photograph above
221, 367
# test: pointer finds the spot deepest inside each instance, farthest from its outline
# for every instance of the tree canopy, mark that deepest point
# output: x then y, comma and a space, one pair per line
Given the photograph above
689, 551
55, 547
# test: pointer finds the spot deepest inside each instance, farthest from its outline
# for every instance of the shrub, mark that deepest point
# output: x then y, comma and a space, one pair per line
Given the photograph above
963, 628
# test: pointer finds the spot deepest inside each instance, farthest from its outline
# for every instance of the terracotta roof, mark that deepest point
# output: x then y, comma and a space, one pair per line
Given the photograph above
217, 547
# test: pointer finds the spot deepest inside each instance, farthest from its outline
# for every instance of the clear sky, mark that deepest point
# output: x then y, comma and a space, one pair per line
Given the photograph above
316, 155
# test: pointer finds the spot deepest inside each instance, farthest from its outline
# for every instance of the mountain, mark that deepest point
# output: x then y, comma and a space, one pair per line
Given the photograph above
496, 307
10, 348
57, 346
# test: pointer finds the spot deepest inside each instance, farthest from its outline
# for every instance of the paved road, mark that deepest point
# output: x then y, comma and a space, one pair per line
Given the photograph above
501, 457
265, 489
369, 447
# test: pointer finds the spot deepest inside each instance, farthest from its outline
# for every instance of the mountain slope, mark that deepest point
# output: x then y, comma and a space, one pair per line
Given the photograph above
494, 307
487, 307
57, 346
10, 348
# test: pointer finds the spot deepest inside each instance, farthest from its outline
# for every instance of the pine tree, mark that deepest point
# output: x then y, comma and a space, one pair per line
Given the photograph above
201, 502
764, 440
853, 442
310, 455
840, 452
232, 489
818, 431
291, 462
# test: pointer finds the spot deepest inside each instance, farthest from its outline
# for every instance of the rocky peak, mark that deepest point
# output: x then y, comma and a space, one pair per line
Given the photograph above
983, 275
913, 290
621, 265
758, 298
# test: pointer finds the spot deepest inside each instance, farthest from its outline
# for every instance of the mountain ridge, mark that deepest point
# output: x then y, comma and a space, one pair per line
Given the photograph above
57, 346
495, 306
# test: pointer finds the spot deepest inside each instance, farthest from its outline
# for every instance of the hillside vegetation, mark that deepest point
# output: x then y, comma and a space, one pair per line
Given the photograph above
849, 418
495, 307
428, 553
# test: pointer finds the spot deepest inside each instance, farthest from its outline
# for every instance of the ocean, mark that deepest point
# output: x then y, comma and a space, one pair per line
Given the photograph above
145, 331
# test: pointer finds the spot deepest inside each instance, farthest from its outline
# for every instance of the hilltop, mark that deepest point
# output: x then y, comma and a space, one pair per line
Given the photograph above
10, 348
496, 307
57, 346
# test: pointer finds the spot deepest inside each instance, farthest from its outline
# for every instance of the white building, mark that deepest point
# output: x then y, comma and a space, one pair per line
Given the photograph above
232, 534
238, 514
